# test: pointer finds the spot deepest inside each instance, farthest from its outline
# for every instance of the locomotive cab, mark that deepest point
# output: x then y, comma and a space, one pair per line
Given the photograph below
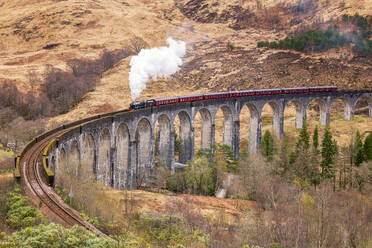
141, 104
137, 105
150, 103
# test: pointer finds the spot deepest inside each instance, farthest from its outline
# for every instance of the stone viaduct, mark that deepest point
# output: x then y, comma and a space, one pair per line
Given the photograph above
119, 149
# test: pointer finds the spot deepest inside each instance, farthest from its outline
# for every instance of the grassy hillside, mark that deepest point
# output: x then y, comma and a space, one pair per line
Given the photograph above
221, 38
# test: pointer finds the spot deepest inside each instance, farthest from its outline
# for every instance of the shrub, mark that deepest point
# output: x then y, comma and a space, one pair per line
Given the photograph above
169, 231
54, 235
26, 105
92, 220
176, 182
19, 213
21, 131
230, 46
137, 44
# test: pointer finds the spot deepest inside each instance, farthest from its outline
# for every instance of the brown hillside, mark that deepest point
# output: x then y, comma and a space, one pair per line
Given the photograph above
83, 29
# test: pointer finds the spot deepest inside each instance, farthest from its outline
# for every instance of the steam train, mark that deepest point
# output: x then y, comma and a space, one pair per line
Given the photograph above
231, 94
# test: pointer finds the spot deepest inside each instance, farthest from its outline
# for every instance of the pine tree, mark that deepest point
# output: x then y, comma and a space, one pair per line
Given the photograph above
316, 139
267, 145
283, 158
314, 172
302, 144
358, 149
329, 150
304, 141
367, 147
301, 157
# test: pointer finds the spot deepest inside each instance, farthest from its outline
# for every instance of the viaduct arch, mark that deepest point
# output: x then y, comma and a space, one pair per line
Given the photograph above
119, 150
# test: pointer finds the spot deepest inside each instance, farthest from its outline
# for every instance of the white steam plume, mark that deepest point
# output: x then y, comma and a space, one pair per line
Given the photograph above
155, 62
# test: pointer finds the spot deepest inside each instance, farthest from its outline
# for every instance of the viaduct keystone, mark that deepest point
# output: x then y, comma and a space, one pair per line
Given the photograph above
120, 148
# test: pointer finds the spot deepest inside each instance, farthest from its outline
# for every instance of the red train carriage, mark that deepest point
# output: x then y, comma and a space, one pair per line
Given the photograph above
166, 101
232, 94
214, 96
191, 98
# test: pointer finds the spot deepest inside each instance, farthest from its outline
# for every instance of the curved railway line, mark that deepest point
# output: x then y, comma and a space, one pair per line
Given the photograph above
42, 194
36, 177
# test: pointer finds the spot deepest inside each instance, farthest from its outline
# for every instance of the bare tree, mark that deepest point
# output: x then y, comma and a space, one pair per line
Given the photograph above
137, 44
33, 79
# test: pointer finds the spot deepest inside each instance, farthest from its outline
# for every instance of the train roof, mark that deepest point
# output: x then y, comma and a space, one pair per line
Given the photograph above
166, 98
217, 93
242, 91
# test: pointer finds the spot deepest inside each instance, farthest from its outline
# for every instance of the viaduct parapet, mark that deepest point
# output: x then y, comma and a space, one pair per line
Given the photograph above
118, 150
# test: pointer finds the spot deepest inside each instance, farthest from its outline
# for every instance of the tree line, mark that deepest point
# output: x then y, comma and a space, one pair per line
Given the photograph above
332, 37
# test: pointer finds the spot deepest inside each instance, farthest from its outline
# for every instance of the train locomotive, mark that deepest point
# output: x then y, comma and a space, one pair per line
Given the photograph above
232, 94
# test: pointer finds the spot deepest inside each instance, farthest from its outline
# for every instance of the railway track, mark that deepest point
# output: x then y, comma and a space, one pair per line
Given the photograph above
42, 194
